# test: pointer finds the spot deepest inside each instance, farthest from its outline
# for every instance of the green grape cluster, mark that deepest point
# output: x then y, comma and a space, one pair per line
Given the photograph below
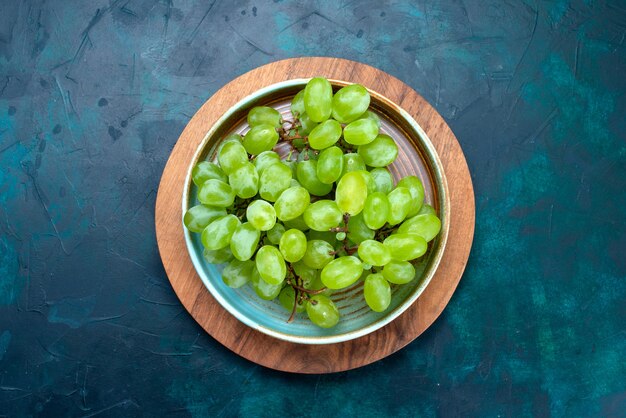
301, 226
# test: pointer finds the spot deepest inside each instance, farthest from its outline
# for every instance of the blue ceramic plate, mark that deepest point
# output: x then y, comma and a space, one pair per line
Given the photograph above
416, 156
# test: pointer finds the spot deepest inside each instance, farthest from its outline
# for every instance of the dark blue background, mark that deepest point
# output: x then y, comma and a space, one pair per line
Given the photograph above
93, 96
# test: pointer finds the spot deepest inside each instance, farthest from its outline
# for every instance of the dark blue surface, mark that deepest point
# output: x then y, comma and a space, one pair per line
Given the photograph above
93, 96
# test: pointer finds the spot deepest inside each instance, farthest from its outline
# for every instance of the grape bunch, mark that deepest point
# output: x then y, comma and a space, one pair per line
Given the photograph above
299, 226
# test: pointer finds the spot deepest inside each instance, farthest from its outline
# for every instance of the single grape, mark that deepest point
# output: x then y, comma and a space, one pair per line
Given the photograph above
350, 102
400, 202
318, 96
360, 132
426, 226
218, 233
352, 162
341, 272
307, 176
292, 203
293, 245
381, 152
218, 256
404, 247
264, 115
275, 233
351, 193
232, 154
198, 217
297, 103
287, 298
260, 138
330, 165
374, 253
237, 273
262, 288
357, 230
322, 311
325, 134
274, 180
245, 181
377, 292
297, 223
244, 241
376, 210
261, 215
416, 188
265, 159
383, 180
322, 215
318, 253
271, 264
399, 272
206, 170
306, 125
426, 208
340, 236
216, 193
366, 266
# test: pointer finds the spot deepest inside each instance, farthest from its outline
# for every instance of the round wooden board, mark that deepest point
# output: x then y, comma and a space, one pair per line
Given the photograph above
281, 355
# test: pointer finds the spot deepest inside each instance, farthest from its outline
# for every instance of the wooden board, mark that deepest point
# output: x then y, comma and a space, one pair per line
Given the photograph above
281, 355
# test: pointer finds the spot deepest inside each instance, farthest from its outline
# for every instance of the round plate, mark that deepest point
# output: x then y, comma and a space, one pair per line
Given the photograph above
283, 355
416, 156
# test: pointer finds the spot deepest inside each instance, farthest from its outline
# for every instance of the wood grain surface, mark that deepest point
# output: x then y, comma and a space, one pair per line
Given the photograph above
281, 355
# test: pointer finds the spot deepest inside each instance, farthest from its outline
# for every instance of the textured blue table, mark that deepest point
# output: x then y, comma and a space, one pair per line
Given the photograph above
93, 96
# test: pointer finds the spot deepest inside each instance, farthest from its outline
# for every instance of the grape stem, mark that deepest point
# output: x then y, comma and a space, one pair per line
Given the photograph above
308, 291
295, 305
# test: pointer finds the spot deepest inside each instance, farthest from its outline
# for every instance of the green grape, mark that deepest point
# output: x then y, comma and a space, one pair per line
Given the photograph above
293, 245
244, 241
218, 233
426, 226
264, 115
307, 274
218, 256
328, 236
306, 125
292, 203
399, 272
416, 188
245, 181
404, 247
381, 152
366, 266
265, 159
274, 180
325, 134
216, 193
322, 311
271, 264
198, 217
292, 166
330, 165
232, 154
400, 201
297, 103
237, 273
341, 272
350, 102
261, 215
352, 162
205, 170
383, 180
275, 233
376, 210
307, 176
374, 253
297, 223
377, 292
287, 298
262, 288
351, 193
357, 230
371, 115
318, 253
295, 183
318, 96
369, 180
322, 215
360, 132
260, 138
426, 208
340, 236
